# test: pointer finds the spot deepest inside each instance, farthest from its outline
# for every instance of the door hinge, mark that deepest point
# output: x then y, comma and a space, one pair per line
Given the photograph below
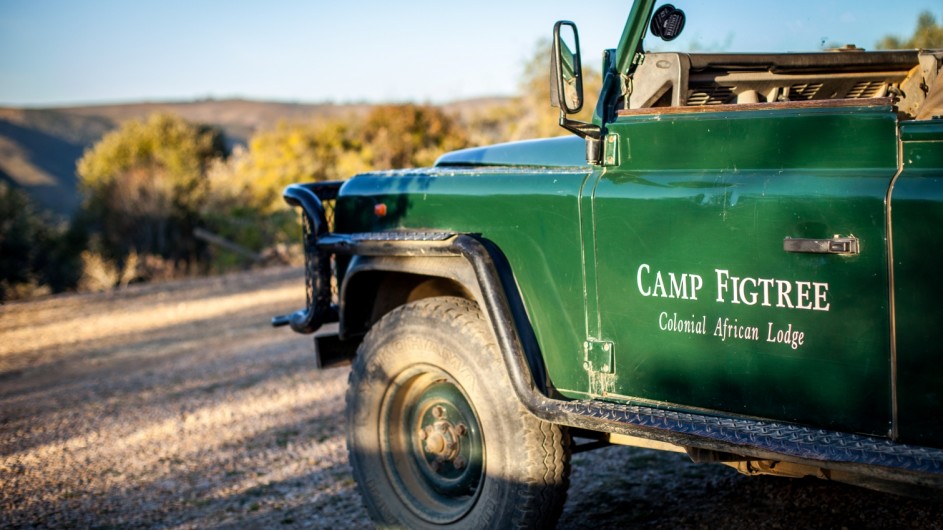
611, 150
597, 356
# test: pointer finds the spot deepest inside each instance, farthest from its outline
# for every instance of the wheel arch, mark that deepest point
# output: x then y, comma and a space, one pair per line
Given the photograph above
375, 285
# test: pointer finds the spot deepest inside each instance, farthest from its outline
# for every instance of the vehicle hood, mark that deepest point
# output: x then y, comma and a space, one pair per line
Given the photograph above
565, 151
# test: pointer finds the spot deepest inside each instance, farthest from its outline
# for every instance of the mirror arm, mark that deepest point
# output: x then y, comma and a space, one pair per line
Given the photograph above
579, 128
590, 132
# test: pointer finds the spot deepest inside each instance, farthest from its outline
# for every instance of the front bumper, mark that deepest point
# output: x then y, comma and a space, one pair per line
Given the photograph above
316, 202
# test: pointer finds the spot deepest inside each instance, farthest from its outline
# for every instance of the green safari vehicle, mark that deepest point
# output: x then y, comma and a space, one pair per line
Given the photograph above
738, 258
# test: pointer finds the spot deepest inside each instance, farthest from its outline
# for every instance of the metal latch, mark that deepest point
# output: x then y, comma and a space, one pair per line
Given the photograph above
836, 245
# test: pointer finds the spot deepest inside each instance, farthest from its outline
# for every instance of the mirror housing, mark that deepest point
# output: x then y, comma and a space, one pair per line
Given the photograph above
566, 71
566, 87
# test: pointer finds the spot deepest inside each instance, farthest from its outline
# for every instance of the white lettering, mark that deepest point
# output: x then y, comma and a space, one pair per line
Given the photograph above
684, 286
638, 280
726, 329
766, 283
679, 289
784, 289
802, 295
821, 292
721, 283
794, 339
696, 283
659, 285
673, 323
749, 298
746, 290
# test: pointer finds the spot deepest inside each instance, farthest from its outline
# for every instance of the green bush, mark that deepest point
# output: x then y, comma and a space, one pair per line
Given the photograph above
145, 185
35, 255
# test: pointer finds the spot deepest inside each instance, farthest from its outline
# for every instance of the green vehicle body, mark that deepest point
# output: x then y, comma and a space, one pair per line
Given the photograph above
724, 204
676, 271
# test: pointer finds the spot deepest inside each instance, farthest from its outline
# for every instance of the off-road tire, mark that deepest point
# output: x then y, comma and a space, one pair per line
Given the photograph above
424, 369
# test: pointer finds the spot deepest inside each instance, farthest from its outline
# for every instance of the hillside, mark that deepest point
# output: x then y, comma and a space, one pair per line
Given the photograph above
39, 147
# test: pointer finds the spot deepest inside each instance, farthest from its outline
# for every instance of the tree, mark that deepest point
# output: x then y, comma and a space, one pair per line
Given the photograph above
245, 204
144, 186
401, 136
18, 229
390, 136
530, 115
928, 34
291, 152
33, 252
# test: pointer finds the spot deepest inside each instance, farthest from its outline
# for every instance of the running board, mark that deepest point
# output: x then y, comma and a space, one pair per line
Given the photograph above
760, 439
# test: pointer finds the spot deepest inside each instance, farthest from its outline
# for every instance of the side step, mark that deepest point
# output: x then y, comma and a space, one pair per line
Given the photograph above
764, 440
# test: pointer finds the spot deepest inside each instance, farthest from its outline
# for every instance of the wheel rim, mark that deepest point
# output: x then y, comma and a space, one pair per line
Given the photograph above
431, 444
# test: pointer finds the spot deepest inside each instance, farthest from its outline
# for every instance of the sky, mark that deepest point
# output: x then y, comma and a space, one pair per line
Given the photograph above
66, 52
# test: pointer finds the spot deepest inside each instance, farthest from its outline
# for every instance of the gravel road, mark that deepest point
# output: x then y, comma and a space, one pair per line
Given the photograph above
177, 406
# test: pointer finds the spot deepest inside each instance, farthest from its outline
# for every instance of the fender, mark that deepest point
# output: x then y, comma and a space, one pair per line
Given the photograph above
374, 285
424, 255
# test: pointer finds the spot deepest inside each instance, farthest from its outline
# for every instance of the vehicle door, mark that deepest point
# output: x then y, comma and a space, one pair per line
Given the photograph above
739, 263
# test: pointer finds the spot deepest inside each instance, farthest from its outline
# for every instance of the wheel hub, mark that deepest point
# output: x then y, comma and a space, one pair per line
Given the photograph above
433, 444
442, 441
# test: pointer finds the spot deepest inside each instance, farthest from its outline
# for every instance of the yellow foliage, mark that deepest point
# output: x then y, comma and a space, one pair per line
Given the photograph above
150, 183
172, 150
391, 136
291, 152
144, 184
530, 115
401, 136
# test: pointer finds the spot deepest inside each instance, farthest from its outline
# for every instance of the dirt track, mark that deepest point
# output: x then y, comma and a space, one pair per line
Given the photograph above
177, 406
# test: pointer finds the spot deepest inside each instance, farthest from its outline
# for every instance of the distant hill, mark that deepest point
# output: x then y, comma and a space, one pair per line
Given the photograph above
40, 147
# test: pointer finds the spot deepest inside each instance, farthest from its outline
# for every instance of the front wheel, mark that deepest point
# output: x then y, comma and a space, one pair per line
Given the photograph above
436, 436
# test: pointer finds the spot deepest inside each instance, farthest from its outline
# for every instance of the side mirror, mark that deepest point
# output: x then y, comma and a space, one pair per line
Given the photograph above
566, 71
566, 87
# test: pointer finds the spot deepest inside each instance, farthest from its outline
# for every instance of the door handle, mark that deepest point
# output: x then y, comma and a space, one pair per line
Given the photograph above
836, 245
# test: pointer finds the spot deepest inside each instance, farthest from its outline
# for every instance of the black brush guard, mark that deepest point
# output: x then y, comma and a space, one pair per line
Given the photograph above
312, 198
